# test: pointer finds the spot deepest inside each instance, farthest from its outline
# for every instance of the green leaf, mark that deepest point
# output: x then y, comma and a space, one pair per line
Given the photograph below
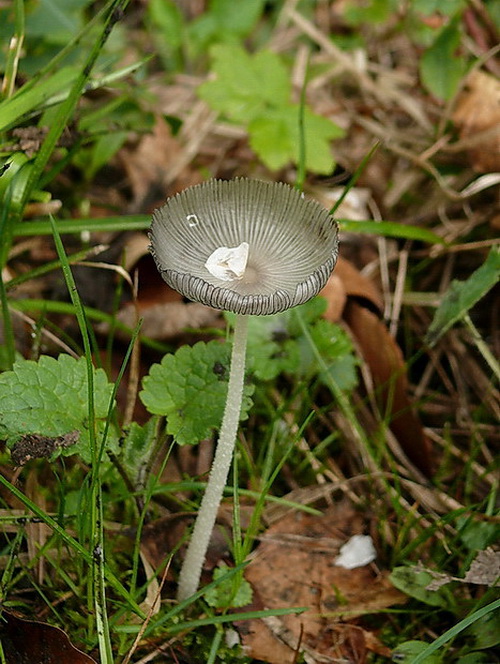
444, 7
227, 593
271, 351
190, 388
104, 149
486, 631
236, 17
407, 651
134, 222
168, 32
335, 347
254, 90
24, 103
455, 630
167, 16
137, 445
275, 138
276, 345
270, 139
440, 69
374, 11
56, 21
245, 85
224, 21
475, 658
50, 398
67, 107
462, 295
414, 583
477, 535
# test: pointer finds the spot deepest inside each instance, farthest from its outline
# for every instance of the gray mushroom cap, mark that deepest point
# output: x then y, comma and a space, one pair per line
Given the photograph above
292, 245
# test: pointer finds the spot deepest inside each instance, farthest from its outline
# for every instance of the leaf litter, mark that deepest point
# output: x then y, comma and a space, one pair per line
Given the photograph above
295, 565
30, 641
375, 96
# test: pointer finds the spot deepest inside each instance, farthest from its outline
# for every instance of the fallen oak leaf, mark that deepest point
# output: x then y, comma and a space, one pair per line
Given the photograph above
28, 642
335, 296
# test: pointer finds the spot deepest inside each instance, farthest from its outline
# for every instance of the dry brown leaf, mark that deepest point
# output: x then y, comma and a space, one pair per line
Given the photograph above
166, 320
161, 308
162, 536
294, 566
151, 604
30, 641
354, 204
346, 291
477, 110
148, 165
335, 295
147, 162
485, 569
387, 367
347, 281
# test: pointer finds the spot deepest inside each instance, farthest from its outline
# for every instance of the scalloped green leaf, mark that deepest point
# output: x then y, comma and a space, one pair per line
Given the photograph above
245, 85
50, 398
336, 349
189, 388
255, 90
440, 69
407, 651
275, 137
136, 446
276, 345
223, 595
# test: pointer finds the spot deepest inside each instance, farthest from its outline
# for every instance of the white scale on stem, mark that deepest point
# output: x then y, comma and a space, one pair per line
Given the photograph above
228, 263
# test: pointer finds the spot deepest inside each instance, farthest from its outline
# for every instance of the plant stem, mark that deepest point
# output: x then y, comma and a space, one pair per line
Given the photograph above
189, 578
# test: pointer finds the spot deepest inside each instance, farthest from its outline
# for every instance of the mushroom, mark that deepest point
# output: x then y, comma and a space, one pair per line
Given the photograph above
252, 248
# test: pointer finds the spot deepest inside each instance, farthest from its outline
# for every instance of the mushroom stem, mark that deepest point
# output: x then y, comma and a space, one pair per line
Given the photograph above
189, 578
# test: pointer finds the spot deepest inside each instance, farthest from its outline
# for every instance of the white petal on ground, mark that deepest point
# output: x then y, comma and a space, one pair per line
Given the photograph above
356, 552
232, 638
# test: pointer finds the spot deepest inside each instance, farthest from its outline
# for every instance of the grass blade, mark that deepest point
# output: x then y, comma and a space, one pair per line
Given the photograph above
355, 177
73, 543
134, 222
65, 111
391, 229
15, 50
455, 630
